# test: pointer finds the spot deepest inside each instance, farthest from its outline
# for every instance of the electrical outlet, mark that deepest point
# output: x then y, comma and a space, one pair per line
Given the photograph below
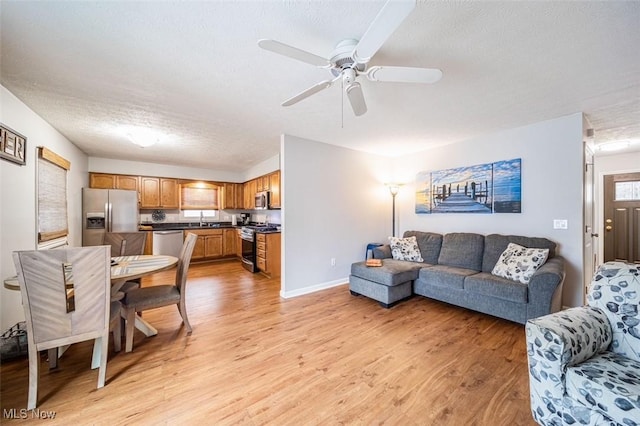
333, 261
560, 224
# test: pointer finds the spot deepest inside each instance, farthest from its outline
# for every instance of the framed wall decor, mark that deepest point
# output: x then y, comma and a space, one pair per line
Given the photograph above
13, 146
482, 188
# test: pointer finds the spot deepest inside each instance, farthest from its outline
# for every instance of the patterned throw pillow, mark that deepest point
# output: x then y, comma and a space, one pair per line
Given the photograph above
519, 263
405, 249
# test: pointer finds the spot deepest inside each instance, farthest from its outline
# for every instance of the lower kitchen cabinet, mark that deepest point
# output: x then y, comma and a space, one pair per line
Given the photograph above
238, 244
213, 244
268, 254
229, 245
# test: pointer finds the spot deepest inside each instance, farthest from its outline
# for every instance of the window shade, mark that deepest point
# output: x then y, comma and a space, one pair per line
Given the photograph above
198, 196
52, 195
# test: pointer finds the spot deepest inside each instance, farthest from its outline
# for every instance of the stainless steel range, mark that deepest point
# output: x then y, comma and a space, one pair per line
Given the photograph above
249, 251
248, 239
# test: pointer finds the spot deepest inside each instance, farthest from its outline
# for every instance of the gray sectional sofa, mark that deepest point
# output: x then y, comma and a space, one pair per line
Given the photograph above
457, 268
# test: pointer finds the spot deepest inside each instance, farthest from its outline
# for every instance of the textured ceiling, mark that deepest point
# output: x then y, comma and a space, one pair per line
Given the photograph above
194, 71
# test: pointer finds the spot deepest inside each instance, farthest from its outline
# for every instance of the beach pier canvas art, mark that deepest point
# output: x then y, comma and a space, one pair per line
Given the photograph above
483, 188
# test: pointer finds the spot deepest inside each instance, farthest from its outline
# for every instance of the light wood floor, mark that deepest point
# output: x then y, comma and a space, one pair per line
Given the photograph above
326, 358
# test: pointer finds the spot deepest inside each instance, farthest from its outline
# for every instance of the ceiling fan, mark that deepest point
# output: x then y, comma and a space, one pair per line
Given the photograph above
349, 59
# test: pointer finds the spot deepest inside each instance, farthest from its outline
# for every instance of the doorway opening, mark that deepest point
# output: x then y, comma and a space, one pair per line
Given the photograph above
622, 217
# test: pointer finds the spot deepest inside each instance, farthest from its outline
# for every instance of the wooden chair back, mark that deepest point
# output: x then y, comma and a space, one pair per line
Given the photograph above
125, 243
183, 262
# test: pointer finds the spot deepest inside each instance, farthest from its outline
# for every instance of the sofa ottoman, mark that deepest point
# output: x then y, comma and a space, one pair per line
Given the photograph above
388, 284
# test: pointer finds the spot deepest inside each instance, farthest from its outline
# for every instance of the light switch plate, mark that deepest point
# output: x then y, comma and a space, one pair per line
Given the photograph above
560, 224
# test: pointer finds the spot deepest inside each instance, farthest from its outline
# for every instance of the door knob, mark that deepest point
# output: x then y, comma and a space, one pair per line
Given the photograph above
608, 221
608, 227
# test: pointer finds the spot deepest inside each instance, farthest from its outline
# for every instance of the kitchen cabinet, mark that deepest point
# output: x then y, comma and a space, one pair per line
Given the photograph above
214, 243
262, 183
229, 245
268, 254
238, 244
250, 189
232, 196
198, 249
158, 193
111, 181
213, 246
274, 187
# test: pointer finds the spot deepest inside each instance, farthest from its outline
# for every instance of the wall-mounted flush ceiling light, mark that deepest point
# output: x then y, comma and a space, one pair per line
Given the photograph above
141, 136
614, 145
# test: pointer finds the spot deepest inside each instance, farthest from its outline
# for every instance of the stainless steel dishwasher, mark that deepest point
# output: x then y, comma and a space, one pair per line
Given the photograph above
168, 242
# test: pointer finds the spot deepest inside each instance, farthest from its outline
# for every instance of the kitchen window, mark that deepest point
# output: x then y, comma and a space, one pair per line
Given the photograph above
207, 214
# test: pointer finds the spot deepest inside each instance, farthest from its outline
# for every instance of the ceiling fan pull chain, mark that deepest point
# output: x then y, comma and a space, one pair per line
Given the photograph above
342, 104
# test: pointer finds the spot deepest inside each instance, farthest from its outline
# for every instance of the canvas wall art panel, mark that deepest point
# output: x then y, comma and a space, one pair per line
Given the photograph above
482, 188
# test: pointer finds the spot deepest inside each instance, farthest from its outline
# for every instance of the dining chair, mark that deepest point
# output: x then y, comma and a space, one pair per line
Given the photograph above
126, 244
144, 298
66, 299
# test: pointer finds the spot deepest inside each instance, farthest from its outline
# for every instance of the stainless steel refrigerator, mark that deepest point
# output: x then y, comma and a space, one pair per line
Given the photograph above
107, 210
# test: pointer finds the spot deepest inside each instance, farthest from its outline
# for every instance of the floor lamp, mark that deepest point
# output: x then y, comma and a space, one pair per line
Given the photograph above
393, 189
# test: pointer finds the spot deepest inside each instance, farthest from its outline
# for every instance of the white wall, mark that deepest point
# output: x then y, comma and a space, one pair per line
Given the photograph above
334, 203
267, 166
551, 153
107, 165
610, 165
18, 227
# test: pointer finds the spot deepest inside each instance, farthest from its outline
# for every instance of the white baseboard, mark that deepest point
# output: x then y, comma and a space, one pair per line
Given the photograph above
313, 288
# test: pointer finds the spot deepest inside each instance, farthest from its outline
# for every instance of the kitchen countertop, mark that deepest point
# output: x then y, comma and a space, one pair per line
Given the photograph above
183, 226
193, 225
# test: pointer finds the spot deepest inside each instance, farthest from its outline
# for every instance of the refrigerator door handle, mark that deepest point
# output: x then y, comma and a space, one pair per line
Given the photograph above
109, 226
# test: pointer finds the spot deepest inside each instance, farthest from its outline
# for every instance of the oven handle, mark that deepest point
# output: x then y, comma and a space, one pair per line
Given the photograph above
250, 239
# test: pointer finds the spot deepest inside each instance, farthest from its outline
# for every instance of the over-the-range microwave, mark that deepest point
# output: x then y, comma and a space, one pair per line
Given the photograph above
262, 200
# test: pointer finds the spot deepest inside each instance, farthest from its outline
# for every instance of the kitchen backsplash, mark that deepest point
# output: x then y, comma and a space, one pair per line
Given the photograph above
172, 216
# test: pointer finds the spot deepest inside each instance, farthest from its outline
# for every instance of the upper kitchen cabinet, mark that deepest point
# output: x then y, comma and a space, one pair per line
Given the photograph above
110, 181
274, 188
199, 196
158, 193
232, 196
262, 183
250, 189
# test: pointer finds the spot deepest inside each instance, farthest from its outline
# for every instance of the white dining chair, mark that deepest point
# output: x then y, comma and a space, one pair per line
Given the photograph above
66, 299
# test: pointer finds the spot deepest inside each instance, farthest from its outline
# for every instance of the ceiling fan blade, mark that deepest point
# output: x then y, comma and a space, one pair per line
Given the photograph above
404, 74
385, 23
310, 91
356, 98
294, 52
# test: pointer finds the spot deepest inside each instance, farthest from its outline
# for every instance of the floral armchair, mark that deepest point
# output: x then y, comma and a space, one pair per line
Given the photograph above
584, 363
